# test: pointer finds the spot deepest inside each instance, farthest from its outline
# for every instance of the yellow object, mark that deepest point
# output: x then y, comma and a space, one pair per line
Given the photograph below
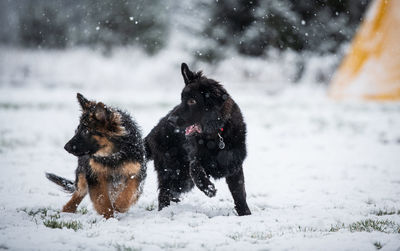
371, 69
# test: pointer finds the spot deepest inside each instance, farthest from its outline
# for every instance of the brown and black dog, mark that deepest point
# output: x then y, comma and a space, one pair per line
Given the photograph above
111, 164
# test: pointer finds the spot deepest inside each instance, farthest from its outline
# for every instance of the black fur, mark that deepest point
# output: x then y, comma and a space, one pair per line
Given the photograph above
217, 148
67, 185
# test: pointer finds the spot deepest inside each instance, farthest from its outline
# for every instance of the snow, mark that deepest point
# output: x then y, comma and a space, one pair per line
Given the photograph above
315, 166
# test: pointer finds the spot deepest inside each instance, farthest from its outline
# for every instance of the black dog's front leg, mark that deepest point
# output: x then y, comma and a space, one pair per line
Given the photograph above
196, 170
236, 186
201, 179
164, 198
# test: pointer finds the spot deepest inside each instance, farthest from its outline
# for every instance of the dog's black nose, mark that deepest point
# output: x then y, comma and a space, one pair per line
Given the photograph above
172, 119
68, 147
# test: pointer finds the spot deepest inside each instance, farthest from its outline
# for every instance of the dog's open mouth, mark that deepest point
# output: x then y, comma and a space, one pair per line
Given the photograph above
192, 129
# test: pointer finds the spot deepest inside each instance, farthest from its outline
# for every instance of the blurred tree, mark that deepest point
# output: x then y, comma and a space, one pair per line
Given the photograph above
58, 23
251, 27
122, 22
41, 26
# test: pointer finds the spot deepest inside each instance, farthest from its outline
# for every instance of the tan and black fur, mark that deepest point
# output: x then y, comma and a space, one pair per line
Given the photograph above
111, 166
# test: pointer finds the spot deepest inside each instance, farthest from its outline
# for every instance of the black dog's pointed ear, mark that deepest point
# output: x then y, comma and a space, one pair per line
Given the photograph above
188, 75
85, 104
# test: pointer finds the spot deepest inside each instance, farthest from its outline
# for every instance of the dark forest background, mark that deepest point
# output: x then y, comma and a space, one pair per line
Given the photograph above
249, 28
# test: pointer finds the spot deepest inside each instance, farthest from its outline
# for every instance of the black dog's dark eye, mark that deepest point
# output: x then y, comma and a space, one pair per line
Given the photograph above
191, 101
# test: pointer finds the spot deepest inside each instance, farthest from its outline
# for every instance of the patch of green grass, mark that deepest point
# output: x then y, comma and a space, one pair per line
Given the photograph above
261, 235
53, 223
236, 236
369, 225
250, 236
150, 207
337, 227
92, 221
175, 245
42, 212
306, 229
386, 212
370, 201
378, 245
125, 248
52, 219
83, 210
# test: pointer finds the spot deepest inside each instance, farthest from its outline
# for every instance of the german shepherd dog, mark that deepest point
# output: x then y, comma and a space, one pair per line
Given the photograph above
203, 136
111, 164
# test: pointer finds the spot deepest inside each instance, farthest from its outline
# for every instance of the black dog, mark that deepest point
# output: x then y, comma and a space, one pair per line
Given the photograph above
111, 164
203, 136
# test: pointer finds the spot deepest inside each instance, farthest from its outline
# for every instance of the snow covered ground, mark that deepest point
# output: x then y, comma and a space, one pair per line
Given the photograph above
320, 174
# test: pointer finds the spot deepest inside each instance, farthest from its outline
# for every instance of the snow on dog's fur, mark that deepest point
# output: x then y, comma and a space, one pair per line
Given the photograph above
203, 136
111, 166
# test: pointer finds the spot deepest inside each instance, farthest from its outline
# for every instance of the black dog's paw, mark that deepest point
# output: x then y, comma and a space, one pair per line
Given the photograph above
210, 190
243, 212
176, 200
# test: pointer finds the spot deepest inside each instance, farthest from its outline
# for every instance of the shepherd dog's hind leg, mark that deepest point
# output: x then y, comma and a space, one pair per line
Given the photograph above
78, 195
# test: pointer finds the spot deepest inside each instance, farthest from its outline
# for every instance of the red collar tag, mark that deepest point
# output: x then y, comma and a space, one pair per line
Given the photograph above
221, 129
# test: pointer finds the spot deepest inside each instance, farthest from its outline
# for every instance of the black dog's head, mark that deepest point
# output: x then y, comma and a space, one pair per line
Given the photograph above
98, 124
204, 107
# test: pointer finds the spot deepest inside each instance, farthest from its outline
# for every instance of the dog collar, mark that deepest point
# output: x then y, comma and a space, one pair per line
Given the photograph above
221, 144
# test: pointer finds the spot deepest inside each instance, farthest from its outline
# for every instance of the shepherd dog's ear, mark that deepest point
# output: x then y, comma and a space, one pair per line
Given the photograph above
85, 104
100, 112
188, 75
